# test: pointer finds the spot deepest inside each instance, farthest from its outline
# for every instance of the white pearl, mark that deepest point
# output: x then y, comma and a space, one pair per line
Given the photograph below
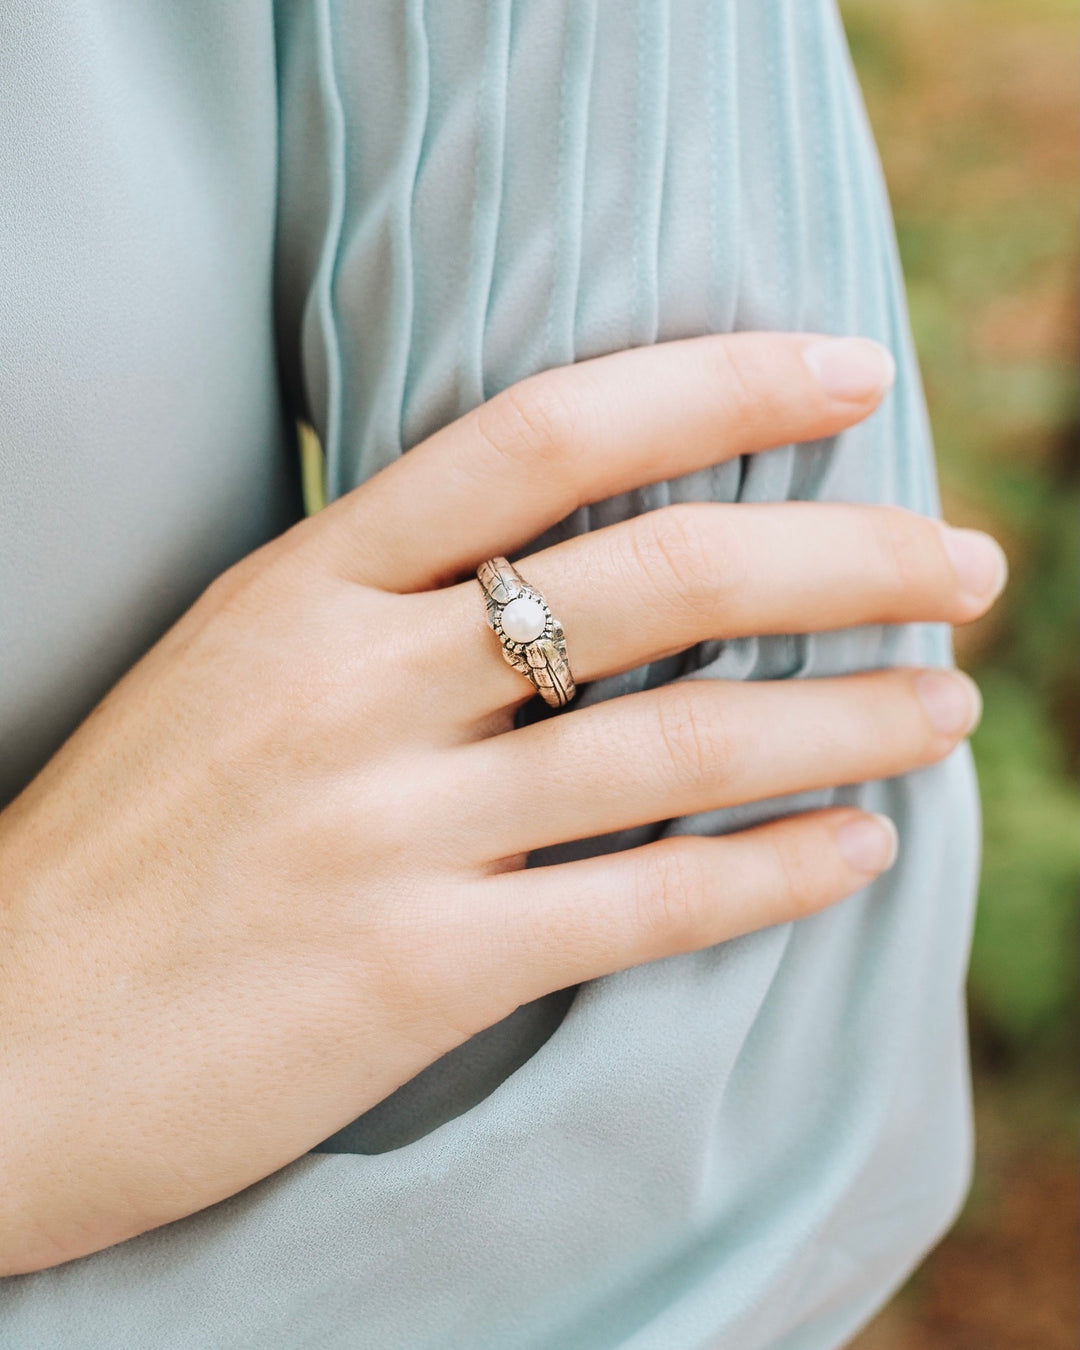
523, 619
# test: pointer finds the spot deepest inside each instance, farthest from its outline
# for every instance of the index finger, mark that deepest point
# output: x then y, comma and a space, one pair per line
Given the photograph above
497, 477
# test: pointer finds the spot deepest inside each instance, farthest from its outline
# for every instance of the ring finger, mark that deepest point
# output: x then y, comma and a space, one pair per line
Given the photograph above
660, 583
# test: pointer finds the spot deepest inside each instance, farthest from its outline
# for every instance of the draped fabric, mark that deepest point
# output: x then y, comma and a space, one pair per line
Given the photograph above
745, 1147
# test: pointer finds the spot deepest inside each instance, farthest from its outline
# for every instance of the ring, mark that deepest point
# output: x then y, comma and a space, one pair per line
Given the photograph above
532, 638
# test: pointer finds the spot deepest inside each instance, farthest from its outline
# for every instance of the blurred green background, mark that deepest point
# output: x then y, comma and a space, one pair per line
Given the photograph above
975, 107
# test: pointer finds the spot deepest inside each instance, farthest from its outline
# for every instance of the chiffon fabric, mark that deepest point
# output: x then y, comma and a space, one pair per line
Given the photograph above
375, 214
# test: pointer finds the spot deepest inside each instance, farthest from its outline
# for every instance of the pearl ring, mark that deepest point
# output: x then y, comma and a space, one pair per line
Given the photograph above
532, 639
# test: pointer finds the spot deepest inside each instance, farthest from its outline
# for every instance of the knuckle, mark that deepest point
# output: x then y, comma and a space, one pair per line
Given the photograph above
907, 551
227, 587
880, 720
673, 894
800, 878
673, 554
736, 369
926, 743
277, 572
691, 737
887, 717
748, 379
530, 424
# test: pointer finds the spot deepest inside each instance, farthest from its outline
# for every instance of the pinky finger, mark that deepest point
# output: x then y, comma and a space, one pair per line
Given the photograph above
549, 927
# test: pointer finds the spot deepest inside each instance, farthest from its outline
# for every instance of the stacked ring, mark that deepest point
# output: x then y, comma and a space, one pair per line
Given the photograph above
532, 639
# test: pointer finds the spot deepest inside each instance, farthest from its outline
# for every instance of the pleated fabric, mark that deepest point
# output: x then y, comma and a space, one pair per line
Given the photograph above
746, 1147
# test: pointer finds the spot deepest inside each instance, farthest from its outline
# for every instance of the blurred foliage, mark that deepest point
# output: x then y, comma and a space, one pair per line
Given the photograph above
973, 104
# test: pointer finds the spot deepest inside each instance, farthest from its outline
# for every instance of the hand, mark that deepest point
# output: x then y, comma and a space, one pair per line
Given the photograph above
278, 870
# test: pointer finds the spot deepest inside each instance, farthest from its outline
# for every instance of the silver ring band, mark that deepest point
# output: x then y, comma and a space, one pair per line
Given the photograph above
532, 638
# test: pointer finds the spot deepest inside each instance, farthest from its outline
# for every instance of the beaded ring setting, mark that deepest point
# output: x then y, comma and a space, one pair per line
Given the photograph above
532, 639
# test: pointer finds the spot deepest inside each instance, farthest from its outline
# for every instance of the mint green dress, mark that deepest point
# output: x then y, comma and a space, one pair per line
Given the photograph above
375, 214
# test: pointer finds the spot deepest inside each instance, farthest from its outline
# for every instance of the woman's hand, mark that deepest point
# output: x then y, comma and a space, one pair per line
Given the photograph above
278, 870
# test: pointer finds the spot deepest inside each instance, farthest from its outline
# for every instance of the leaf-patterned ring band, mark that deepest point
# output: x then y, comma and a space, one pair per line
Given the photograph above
532, 638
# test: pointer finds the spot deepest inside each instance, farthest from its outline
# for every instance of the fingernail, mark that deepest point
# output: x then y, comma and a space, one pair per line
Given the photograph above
851, 369
979, 562
952, 701
869, 844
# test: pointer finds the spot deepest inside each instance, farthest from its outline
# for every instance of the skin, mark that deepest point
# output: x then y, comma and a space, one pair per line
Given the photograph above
263, 884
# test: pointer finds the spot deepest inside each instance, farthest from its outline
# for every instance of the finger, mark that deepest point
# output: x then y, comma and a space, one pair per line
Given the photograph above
496, 478
663, 581
545, 928
701, 744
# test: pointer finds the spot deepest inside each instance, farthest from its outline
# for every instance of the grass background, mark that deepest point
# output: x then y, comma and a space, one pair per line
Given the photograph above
974, 104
